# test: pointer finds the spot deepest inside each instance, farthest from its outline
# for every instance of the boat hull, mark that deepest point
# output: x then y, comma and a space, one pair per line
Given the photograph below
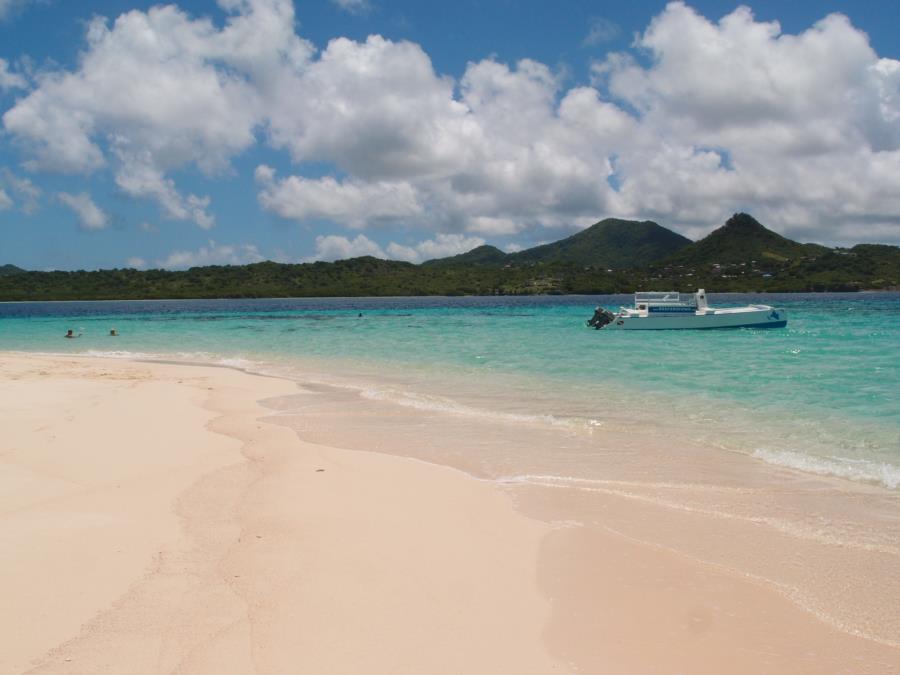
766, 317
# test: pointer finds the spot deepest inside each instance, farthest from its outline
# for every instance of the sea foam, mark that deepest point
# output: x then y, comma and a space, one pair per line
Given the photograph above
862, 470
440, 404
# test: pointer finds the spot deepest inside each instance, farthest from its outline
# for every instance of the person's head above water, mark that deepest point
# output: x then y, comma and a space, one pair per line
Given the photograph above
113, 333
70, 333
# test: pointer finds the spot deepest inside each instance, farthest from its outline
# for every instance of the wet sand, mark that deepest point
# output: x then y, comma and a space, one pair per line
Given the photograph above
158, 518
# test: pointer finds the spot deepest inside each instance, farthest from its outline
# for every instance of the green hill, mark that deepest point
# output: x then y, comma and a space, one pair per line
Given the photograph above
609, 257
611, 243
9, 270
858, 268
482, 255
742, 239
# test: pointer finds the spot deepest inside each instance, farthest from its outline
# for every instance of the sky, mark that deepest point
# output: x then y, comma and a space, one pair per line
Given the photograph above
140, 134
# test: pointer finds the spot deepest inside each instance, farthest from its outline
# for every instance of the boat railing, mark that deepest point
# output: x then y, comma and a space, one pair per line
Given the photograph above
665, 298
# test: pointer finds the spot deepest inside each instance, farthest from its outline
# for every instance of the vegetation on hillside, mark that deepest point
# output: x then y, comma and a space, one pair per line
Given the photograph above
740, 256
742, 239
611, 243
7, 270
481, 255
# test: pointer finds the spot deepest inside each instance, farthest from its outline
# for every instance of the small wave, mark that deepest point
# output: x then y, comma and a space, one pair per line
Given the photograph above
574, 481
445, 405
202, 358
238, 363
120, 354
862, 470
651, 493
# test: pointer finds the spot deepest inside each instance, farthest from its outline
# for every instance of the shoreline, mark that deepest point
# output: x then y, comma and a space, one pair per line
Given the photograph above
608, 591
859, 471
419, 297
864, 472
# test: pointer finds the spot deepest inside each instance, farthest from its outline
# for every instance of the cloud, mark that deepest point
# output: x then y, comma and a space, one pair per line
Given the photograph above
802, 129
375, 108
212, 254
600, 30
142, 180
501, 156
9, 80
719, 115
136, 263
25, 190
353, 6
334, 247
90, 216
5, 201
157, 91
353, 203
442, 246
9, 7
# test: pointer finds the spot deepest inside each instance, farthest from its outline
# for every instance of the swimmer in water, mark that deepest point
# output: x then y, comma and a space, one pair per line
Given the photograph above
113, 333
71, 334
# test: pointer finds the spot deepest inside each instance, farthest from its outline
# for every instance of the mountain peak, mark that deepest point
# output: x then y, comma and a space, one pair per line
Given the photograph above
487, 249
744, 222
741, 239
480, 255
610, 243
9, 270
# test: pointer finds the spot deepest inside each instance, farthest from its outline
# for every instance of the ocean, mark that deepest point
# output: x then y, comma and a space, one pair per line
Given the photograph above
819, 396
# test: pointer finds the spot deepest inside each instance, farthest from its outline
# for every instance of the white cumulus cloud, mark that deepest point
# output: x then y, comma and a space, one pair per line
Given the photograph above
723, 114
507, 154
212, 254
143, 180
25, 190
158, 90
442, 246
801, 129
5, 201
335, 247
90, 216
8, 79
354, 203
731, 114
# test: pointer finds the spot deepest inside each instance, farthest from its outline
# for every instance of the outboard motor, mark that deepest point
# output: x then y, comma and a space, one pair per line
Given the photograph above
601, 318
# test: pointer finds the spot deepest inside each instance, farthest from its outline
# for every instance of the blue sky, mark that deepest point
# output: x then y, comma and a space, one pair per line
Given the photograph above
233, 131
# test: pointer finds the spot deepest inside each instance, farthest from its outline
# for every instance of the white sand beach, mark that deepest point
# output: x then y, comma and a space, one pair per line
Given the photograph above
154, 520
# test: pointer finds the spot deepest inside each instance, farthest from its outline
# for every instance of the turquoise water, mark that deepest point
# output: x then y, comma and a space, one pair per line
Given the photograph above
820, 395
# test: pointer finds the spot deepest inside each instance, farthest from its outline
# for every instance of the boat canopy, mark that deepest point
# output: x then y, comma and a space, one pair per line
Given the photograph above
650, 299
666, 298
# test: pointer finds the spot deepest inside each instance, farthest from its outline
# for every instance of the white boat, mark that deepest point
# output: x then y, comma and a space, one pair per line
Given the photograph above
672, 310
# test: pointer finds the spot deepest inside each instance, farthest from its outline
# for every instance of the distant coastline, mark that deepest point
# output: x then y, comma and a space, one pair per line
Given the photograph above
375, 297
612, 256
